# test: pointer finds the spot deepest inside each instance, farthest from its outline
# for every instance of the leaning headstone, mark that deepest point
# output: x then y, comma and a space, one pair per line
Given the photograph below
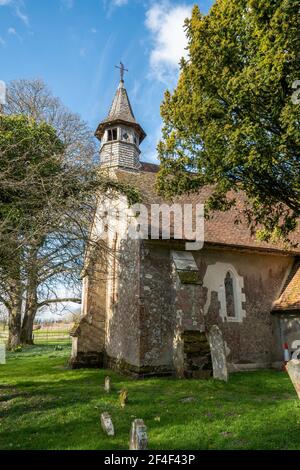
138, 435
2, 354
107, 386
218, 353
293, 369
107, 424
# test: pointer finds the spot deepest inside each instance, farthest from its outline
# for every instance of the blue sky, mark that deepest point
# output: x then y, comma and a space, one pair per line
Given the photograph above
73, 45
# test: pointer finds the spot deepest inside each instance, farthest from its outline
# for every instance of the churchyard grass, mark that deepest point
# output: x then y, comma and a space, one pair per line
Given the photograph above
44, 405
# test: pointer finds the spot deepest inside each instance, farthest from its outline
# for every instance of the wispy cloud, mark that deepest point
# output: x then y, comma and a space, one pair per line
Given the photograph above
119, 3
165, 23
82, 52
67, 4
12, 32
18, 7
2, 42
22, 16
111, 5
100, 90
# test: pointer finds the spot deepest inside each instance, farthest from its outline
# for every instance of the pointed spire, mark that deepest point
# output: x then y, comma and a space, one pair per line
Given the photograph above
120, 112
121, 107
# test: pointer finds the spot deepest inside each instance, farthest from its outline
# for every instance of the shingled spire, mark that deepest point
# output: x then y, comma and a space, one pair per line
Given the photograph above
121, 107
120, 134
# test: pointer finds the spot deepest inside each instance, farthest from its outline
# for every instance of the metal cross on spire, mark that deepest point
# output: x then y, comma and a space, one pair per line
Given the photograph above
122, 70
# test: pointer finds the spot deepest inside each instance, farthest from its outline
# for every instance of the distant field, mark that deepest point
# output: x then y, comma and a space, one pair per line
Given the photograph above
46, 334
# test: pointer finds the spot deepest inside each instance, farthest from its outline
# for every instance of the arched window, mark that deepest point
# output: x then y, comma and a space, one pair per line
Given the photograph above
230, 295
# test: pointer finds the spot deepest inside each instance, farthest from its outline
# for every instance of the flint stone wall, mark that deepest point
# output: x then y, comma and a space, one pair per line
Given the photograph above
141, 323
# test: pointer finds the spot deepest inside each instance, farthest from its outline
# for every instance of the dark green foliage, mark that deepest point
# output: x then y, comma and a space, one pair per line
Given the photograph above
231, 120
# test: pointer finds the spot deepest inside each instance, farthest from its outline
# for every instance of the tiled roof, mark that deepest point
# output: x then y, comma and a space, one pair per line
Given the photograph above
290, 296
149, 167
221, 228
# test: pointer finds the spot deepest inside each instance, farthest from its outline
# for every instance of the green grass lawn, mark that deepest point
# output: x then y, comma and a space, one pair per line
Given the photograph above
44, 405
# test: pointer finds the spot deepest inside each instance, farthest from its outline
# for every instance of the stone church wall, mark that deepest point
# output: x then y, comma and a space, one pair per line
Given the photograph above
123, 310
251, 338
137, 314
157, 319
88, 342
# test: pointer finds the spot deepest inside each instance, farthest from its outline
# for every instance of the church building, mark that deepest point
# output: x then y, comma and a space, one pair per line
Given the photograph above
148, 304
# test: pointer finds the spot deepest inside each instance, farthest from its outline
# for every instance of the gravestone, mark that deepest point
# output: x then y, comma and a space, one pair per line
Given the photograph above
107, 424
2, 354
293, 369
107, 386
138, 435
218, 353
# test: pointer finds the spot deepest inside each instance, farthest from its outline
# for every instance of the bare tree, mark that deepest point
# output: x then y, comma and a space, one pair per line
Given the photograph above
43, 250
36, 262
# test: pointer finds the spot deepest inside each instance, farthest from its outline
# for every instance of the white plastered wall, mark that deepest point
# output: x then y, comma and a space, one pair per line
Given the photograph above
214, 282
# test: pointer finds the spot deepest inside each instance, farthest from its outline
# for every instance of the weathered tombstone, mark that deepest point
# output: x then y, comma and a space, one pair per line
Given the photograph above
123, 398
218, 353
293, 369
107, 386
138, 435
2, 354
107, 424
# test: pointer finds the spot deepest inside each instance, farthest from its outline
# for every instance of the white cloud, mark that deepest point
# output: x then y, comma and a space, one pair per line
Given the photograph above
93, 30
165, 22
5, 2
2, 42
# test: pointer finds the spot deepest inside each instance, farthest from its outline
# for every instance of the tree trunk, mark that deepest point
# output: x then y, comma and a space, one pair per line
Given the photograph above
14, 328
31, 305
15, 315
27, 326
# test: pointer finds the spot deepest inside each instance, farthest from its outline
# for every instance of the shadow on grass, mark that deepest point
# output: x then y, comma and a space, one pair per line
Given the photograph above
44, 406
